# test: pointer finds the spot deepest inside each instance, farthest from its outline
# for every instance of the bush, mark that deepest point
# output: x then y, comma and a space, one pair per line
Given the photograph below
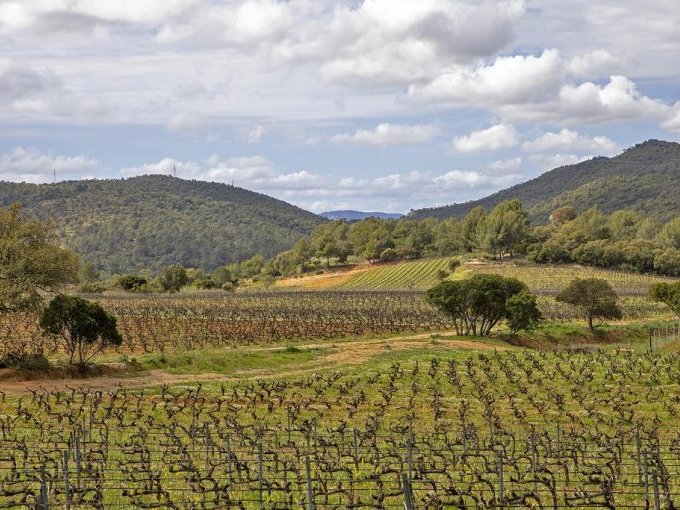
25, 361
228, 287
594, 297
85, 327
132, 283
667, 262
389, 255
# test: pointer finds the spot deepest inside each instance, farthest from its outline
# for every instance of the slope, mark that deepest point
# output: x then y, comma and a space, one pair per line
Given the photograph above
151, 221
643, 178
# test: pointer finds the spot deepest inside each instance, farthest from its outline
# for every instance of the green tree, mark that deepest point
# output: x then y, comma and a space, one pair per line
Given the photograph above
667, 293
85, 327
31, 264
506, 226
132, 283
478, 304
595, 299
522, 312
173, 278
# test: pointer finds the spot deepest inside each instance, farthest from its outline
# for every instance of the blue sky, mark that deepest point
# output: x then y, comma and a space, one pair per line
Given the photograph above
379, 105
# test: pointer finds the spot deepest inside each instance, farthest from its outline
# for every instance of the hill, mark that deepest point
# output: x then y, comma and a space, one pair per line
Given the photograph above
151, 221
350, 215
644, 178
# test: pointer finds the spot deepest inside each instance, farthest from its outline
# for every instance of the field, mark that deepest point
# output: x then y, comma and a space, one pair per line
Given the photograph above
423, 274
447, 429
348, 398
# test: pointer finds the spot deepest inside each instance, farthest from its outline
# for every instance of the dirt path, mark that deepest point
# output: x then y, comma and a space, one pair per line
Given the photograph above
345, 354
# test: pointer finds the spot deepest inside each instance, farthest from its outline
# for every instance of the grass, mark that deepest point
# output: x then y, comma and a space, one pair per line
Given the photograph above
228, 362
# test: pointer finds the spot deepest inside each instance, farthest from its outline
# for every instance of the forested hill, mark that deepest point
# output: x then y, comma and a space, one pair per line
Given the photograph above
644, 178
151, 221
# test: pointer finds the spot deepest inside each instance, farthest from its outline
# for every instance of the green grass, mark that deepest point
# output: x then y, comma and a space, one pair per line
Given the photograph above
417, 275
227, 362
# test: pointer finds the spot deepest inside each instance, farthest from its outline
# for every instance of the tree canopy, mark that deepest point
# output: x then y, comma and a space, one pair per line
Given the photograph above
594, 297
31, 263
476, 305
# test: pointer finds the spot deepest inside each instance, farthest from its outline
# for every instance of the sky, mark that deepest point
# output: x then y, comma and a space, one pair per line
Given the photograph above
380, 105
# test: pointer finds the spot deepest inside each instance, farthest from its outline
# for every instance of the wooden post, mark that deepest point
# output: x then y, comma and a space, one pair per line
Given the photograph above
310, 492
501, 486
409, 502
655, 483
67, 483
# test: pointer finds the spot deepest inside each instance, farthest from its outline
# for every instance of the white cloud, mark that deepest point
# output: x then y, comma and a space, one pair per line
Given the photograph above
569, 140
594, 64
25, 88
550, 161
540, 89
28, 164
496, 137
390, 134
252, 172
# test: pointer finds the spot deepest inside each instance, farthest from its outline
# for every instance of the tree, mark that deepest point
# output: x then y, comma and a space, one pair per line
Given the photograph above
478, 304
522, 312
563, 215
595, 299
506, 226
667, 293
132, 283
31, 264
85, 327
173, 278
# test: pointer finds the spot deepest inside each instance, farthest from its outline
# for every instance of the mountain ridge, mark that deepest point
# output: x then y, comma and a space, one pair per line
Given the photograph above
147, 222
624, 173
354, 215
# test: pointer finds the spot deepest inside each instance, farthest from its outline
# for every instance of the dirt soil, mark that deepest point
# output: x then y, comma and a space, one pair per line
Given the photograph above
113, 376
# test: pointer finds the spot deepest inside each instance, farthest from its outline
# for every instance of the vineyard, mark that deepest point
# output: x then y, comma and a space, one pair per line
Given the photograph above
169, 324
422, 274
515, 429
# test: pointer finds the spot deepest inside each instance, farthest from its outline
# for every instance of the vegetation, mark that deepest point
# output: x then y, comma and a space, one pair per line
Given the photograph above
668, 294
30, 262
644, 179
85, 327
453, 429
173, 278
595, 299
150, 222
478, 304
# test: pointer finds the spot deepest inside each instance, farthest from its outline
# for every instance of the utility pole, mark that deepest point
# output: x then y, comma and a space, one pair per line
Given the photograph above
174, 170
55, 175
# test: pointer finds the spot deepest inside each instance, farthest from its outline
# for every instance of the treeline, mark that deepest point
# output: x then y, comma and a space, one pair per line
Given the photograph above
623, 239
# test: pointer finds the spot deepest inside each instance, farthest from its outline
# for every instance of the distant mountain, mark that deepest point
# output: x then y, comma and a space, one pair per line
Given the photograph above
644, 178
358, 215
152, 221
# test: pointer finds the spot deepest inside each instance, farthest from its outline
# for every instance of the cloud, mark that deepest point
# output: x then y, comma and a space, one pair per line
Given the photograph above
540, 89
390, 134
23, 88
252, 172
569, 140
28, 164
496, 137
550, 161
594, 64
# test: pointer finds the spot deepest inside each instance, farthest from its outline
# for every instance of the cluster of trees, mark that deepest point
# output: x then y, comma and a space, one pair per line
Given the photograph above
176, 277
478, 304
622, 239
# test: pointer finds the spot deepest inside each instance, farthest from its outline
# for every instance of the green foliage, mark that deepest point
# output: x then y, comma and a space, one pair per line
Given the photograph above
85, 327
594, 297
644, 179
132, 283
667, 293
172, 278
30, 262
478, 304
522, 312
150, 222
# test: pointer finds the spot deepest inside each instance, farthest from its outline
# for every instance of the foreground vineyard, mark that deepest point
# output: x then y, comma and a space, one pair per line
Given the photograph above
514, 429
